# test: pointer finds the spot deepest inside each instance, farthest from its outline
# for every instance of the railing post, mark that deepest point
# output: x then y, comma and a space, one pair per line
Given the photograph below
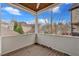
71, 25
36, 27
0, 17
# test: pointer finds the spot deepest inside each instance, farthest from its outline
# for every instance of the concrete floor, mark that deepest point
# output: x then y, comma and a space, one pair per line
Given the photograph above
35, 50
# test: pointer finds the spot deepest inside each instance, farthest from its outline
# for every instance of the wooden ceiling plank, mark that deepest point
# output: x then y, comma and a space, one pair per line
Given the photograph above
34, 5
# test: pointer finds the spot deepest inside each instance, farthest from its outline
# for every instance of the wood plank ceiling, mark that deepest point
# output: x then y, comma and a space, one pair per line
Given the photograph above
36, 6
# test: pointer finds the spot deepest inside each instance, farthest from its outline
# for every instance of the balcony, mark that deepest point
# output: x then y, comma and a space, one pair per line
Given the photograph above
42, 37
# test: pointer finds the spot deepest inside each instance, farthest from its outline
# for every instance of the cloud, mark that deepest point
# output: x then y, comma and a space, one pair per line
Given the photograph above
43, 21
3, 20
40, 21
12, 10
56, 9
30, 22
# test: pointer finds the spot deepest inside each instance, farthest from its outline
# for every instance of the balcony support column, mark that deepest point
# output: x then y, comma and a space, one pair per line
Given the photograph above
71, 25
36, 27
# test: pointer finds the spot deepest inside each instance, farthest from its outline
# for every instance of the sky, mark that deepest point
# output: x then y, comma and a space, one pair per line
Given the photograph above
60, 13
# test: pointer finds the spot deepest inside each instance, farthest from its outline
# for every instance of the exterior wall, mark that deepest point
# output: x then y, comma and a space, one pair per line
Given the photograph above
26, 28
11, 25
12, 43
75, 19
66, 44
75, 15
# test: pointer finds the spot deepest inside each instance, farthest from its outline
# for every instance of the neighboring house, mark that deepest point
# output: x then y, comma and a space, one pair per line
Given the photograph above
27, 28
63, 29
4, 24
75, 19
11, 25
5, 31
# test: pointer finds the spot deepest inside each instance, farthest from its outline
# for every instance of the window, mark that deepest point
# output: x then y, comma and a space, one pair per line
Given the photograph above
44, 21
56, 20
17, 20
61, 19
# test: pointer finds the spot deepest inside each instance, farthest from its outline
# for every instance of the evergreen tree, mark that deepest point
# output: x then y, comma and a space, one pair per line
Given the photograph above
18, 28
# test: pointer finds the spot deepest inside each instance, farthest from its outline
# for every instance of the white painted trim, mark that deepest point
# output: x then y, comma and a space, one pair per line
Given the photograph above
22, 8
36, 24
31, 11
51, 6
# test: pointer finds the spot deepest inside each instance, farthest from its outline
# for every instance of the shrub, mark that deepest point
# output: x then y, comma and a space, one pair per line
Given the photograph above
18, 28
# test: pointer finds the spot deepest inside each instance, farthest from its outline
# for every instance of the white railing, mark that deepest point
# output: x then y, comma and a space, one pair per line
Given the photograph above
66, 44
11, 43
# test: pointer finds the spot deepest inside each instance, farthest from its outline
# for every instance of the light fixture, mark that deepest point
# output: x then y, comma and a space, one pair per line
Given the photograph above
37, 5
